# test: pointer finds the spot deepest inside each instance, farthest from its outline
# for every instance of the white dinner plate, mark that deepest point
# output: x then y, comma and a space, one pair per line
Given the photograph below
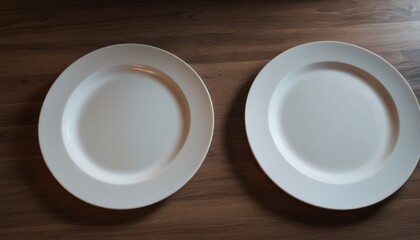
126, 126
333, 125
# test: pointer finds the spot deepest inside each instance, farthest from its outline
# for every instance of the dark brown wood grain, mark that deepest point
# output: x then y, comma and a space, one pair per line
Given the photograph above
227, 43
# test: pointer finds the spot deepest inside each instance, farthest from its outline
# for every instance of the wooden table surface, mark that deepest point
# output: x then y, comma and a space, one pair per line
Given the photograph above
227, 44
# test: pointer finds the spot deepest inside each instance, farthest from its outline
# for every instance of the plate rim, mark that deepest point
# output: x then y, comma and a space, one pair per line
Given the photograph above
131, 51
257, 152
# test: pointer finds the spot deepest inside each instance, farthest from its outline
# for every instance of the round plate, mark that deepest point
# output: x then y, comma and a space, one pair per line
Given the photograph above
126, 126
334, 125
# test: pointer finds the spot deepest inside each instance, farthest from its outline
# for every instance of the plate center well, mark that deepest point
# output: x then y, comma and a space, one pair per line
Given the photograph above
333, 122
124, 124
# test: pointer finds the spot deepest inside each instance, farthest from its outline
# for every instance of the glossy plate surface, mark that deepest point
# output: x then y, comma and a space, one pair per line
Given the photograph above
126, 126
334, 125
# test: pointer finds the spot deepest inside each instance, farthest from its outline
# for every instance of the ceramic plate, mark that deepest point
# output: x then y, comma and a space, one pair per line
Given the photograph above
334, 125
126, 126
